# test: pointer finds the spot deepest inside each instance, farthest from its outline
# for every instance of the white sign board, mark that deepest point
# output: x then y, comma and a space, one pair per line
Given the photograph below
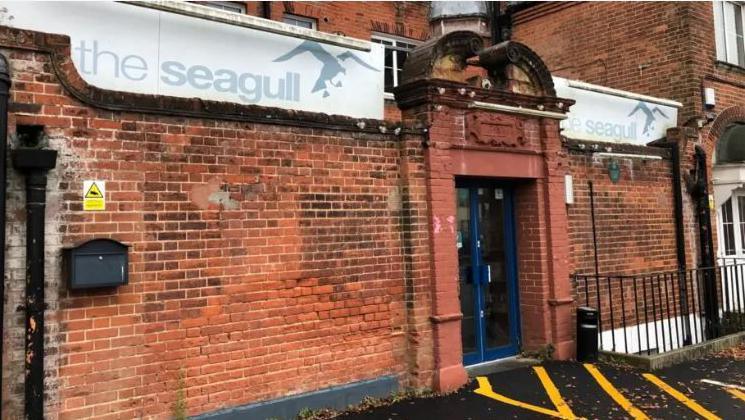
138, 49
609, 115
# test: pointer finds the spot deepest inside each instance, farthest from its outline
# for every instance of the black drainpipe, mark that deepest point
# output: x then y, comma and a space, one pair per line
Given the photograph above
266, 9
706, 244
496, 24
680, 240
34, 163
4, 94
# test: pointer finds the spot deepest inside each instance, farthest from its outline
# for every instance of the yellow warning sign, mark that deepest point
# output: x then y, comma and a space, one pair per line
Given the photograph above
93, 192
94, 195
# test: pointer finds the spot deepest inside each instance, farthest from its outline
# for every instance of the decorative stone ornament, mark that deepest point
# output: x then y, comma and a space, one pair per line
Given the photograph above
495, 130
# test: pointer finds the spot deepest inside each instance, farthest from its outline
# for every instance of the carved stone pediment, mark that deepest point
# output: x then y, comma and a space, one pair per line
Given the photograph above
497, 130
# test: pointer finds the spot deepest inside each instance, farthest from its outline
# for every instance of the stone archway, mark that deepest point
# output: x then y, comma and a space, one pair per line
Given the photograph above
725, 146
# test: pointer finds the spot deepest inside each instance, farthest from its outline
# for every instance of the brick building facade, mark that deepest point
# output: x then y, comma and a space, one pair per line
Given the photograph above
665, 49
278, 253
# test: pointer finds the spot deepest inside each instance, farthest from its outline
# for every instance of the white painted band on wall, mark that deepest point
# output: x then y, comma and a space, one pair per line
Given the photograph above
517, 110
627, 155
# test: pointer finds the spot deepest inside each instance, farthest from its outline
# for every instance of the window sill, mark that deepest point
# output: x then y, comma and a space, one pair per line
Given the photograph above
388, 96
724, 65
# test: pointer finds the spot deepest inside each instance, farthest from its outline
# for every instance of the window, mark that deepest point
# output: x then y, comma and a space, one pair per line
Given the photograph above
741, 217
300, 21
728, 228
728, 30
228, 6
396, 51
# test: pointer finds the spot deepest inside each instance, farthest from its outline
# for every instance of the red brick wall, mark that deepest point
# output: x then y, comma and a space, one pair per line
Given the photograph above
635, 230
360, 20
648, 49
634, 217
265, 260
642, 49
665, 49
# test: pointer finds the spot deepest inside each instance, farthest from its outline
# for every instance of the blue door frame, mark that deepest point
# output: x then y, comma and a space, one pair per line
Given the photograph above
480, 275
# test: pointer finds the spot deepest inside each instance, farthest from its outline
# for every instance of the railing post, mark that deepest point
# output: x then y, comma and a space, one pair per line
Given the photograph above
684, 310
711, 303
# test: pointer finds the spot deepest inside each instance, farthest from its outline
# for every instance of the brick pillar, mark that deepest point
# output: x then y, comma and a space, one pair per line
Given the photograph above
557, 242
417, 262
686, 138
446, 313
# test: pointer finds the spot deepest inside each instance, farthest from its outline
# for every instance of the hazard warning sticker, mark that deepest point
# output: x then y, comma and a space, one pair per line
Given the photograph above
94, 195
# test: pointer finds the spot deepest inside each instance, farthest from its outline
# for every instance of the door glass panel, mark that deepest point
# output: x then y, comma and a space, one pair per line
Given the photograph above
465, 284
495, 292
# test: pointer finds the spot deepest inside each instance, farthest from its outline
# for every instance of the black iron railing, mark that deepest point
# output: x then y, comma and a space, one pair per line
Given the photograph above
662, 311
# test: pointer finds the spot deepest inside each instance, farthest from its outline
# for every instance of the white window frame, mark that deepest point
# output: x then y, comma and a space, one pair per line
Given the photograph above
394, 40
737, 219
313, 22
723, 34
227, 6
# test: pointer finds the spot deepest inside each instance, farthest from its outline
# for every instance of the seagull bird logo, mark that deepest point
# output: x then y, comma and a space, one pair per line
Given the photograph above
332, 66
649, 115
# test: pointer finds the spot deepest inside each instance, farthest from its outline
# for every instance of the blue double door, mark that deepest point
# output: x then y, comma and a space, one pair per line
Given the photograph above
490, 328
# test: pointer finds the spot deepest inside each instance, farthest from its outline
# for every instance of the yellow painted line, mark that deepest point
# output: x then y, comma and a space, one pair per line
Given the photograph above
736, 393
613, 392
553, 393
486, 390
693, 405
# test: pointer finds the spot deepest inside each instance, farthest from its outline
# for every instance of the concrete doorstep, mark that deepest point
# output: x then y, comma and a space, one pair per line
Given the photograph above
500, 365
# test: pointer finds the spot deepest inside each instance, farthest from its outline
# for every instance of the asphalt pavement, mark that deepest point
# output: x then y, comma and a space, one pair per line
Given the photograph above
574, 390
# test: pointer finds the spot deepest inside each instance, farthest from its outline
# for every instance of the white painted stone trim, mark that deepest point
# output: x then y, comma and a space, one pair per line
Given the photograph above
517, 110
616, 92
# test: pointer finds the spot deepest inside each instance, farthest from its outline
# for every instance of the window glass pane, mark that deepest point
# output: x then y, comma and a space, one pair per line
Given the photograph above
389, 79
738, 31
728, 229
395, 57
732, 20
227, 6
401, 57
741, 214
299, 21
388, 58
382, 41
719, 30
727, 211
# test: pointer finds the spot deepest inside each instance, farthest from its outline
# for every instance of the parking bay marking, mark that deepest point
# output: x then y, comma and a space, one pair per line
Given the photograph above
562, 408
693, 405
613, 393
723, 384
735, 390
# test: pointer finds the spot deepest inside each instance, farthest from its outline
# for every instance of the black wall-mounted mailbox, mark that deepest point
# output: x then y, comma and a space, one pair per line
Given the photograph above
97, 263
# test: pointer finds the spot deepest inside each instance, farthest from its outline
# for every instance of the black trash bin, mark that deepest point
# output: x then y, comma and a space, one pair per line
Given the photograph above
587, 334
